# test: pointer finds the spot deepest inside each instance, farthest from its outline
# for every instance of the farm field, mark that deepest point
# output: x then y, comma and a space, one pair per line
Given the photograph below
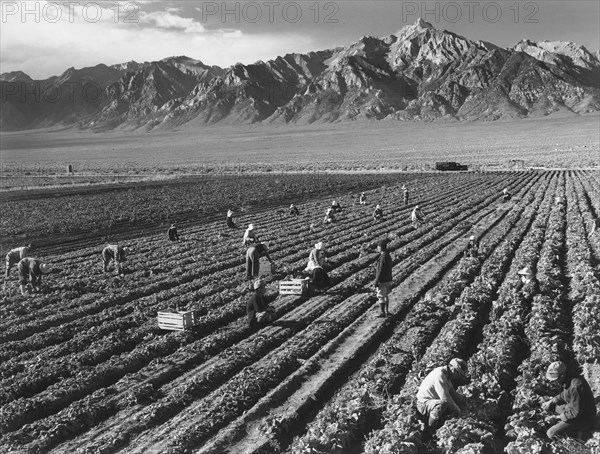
85, 369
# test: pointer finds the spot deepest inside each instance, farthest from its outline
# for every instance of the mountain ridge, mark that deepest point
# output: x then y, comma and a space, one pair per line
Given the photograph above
419, 73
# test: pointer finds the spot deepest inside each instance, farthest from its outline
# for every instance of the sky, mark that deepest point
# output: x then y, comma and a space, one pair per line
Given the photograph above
44, 38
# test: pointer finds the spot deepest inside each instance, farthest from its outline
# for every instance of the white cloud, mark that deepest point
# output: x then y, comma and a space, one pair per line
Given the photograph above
168, 20
43, 46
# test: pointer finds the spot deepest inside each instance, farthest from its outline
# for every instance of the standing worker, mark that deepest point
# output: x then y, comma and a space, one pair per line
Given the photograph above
30, 274
172, 233
436, 396
416, 217
15, 255
115, 253
405, 194
253, 255
383, 278
249, 236
294, 211
378, 213
230, 222
575, 405
362, 199
316, 261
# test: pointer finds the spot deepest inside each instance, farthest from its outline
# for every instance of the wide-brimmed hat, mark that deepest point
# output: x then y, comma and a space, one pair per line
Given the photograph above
555, 370
377, 206
319, 246
459, 366
250, 226
259, 283
45, 268
229, 212
383, 244
472, 237
525, 272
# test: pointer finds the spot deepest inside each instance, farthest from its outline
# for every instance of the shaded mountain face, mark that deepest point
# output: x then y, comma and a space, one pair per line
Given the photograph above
416, 74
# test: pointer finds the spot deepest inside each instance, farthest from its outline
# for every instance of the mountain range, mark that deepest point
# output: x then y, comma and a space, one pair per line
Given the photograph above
417, 74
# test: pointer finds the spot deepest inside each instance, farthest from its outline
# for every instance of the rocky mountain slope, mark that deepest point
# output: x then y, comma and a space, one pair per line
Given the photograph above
417, 74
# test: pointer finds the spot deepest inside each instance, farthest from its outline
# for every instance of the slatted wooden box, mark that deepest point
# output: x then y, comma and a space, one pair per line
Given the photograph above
293, 287
177, 321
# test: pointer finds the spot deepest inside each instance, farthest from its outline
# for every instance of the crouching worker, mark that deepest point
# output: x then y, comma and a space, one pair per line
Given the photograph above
575, 405
114, 253
472, 249
257, 309
30, 274
15, 255
172, 233
437, 398
378, 213
316, 260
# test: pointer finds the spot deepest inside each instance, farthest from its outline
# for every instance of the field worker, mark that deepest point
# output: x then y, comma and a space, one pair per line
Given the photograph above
249, 236
575, 405
253, 255
378, 213
172, 233
256, 303
528, 283
436, 396
115, 253
405, 194
328, 219
15, 255
230, 222
316, 261
293, 210
383, 278
30, 273
472, 249
505, 195
336, 206
362, 199
416, 217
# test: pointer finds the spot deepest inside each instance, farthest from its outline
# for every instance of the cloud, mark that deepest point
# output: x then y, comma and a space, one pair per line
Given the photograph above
169, 20
109, 33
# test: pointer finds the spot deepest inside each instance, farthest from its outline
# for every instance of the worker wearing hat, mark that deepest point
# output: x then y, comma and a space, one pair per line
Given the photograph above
528, 285
249, 236
416, 217
575, 405
329, 218
230, 222
437, 397
405, 194
362, 200
383, 278
30, 273
505, 195
472, 249
253, 255
116, 254
335, 206
294, 210
15, 255
316, 260
256, 303
172, 233
378, 213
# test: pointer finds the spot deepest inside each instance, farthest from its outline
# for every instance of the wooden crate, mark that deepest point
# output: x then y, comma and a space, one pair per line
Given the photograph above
293, 287
176, 321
